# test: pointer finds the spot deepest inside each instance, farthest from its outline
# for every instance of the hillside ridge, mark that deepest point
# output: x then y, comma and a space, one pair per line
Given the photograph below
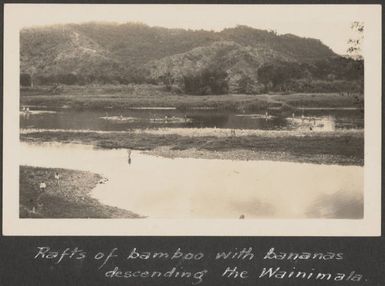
238, 60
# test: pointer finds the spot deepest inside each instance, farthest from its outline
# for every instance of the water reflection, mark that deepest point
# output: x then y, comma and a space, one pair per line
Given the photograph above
313, 123
341, 204
254, 208
320, 120
200, 188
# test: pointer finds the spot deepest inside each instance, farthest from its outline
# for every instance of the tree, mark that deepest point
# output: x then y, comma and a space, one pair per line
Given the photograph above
208, 81
355, 43
167, 80
245, 85
68, 78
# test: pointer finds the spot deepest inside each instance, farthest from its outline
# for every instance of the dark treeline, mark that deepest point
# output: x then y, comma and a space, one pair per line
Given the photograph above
336, 74
206, 82
322, 76
137, 76
332, 75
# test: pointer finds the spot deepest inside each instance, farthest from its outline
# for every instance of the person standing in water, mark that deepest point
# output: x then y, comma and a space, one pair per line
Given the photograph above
129, 156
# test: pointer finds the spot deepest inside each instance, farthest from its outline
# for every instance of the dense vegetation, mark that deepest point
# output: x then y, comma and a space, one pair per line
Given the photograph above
235, 60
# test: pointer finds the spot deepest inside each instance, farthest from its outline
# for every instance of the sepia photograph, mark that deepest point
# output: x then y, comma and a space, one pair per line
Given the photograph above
191, 113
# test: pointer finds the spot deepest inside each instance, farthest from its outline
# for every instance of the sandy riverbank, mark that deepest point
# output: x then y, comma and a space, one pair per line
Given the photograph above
68, 198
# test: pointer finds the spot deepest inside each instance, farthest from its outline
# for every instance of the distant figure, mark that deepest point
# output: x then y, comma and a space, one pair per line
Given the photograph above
42, 187
37, 204
121, 117
242, 216
42, 190
185, 118
232, 132
293, 115
33, 210
165, 118
57, 177
129, 156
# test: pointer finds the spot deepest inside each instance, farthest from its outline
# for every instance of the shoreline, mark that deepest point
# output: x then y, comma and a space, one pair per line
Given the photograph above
67, 198
336, 148
120, 98
202, 132
247, 155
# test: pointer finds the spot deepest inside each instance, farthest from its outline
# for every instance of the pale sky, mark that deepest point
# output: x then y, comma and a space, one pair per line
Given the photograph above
329, 23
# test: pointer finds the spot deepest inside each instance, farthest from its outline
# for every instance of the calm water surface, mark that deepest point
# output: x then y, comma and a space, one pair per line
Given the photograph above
199, 188
326, 120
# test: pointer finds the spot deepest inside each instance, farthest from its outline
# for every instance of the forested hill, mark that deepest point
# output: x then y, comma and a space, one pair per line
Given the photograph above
240, 59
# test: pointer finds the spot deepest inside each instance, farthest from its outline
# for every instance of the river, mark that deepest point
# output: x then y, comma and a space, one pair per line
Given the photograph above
314, 119
200, 188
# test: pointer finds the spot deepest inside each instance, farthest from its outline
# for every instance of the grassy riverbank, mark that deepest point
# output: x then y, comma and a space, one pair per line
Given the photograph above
128, 96
67, 199
338, 147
